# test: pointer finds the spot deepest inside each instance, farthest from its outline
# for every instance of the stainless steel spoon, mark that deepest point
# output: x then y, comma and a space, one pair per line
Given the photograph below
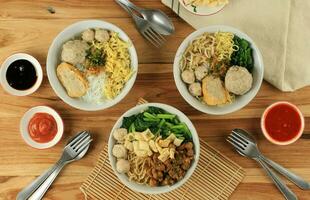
246, 146
158, 19
144, 27
75, 149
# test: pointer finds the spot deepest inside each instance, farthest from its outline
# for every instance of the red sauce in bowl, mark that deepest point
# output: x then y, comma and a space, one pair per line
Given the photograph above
283, 122
42, 127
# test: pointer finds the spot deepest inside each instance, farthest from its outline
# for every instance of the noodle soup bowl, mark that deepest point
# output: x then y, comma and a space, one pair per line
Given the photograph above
54, 59
145, 188
240, 101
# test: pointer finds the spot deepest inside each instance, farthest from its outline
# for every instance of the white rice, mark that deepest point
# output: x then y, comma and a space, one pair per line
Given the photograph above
95, 91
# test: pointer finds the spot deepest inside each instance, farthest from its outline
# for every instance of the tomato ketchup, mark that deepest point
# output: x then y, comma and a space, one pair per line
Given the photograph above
283, 122
42, 127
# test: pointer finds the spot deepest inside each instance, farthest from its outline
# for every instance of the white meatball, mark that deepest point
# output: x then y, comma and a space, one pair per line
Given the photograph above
195, 89
238, 80
119, 134
201, 72
122, 166
188, 76
74, 51
119, 151
88, 35
102, 35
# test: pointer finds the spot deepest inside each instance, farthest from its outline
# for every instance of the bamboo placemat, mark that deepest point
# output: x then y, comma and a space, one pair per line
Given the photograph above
215, 178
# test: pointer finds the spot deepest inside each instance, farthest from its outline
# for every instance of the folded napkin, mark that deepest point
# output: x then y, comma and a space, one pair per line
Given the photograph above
280, 28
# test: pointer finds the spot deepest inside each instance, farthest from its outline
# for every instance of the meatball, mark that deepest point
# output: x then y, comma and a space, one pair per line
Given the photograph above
188, 76
74, 51
189, 145
119, 151
122, 166
201, 72
186, 163
238, 80
119, 134
102, 35
153, 182
190, 152
88, 35
195, 89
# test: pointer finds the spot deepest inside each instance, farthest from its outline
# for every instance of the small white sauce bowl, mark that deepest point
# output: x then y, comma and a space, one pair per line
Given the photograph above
26, 119
5, 66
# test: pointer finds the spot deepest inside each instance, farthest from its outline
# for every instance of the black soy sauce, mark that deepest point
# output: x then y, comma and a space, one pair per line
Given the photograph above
21, 75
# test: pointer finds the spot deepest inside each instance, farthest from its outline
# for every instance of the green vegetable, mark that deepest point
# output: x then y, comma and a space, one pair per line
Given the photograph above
159, 122
244, 56
128, 121
96, 57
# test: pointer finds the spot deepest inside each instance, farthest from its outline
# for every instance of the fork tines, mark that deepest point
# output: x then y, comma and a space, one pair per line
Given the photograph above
153, 36
80, 141
237, 140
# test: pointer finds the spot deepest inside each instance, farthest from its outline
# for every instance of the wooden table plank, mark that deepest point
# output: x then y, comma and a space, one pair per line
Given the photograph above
26, 26
71, 9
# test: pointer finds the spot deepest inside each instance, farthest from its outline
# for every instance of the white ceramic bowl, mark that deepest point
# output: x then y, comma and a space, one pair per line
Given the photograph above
202, 10
240, 101
53, 60
26, 119
144, 188
10, 60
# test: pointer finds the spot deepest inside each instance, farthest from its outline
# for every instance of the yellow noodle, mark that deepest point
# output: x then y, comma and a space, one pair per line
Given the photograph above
117, 67
206, 2
208, 47
138, 168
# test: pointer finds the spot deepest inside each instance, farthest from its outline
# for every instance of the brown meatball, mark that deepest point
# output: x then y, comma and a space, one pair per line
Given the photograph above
165, 181
168, 164
190, 152
188, 146
181, 147
186, 163
160, 167
181, 174
171, 181
153, 182
154, 174
160, 175
172, 173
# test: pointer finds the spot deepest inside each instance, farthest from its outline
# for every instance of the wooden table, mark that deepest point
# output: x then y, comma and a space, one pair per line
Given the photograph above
27, 26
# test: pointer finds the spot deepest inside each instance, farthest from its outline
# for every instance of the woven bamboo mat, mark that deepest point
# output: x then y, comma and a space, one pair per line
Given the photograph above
215, 178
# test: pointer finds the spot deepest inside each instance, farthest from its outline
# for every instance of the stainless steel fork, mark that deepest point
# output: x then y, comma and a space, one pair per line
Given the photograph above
74, 150
248, 148
145, 28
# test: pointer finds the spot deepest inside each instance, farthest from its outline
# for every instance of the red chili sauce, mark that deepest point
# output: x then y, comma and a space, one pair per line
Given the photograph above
283, 122
42, 127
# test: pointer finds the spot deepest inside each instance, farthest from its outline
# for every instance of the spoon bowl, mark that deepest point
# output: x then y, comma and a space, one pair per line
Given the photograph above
159, 20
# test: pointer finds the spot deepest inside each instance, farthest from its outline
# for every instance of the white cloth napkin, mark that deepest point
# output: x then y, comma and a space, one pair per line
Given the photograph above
280, 28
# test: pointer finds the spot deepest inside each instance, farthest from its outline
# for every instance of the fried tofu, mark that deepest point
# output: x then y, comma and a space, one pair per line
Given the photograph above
72, 79
214, 92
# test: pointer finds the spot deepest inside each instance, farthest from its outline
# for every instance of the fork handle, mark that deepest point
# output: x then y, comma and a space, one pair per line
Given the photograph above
126, 8
40, 192
32, 187
287, 192
131, 5
287, 173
